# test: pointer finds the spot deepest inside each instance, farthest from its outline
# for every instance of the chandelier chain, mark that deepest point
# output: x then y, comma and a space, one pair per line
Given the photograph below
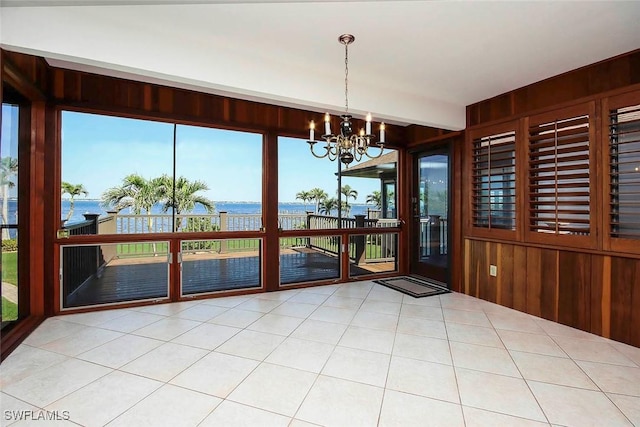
346, 78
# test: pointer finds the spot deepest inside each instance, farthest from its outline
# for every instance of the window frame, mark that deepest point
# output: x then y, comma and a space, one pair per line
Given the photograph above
483, 132
566, 240
616, 244
176, 123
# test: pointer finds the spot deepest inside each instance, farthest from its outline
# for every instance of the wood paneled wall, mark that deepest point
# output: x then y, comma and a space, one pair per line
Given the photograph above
28, 76
592, 292
590, 289
110, 95
614, 73
32, 70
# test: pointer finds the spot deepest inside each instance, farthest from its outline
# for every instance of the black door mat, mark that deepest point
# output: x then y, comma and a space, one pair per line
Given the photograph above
413, 286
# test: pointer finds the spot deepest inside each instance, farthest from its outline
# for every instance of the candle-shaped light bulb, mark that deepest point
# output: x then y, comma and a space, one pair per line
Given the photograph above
368, 124
361, 132
382, 129
312, 131
327, 124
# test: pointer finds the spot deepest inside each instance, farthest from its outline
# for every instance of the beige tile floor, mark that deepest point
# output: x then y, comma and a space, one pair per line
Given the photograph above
340, 355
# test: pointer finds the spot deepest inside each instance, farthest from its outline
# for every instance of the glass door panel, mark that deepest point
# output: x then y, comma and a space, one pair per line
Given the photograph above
431, 216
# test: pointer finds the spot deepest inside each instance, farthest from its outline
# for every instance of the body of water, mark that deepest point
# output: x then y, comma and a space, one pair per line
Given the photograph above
93, 207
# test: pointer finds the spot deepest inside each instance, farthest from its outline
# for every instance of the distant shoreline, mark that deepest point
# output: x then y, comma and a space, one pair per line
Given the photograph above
66, 199
225, 202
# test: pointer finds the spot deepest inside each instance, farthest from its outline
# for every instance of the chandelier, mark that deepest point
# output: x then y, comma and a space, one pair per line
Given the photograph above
346, 145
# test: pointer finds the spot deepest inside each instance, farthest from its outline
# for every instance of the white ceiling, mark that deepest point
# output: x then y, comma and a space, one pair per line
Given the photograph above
416, 62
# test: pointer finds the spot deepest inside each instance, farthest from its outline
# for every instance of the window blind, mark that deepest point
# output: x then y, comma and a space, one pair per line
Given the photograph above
494, 181
624, 172
559, 176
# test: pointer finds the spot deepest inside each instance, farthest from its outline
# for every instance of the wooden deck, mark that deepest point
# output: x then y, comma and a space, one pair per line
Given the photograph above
148, 278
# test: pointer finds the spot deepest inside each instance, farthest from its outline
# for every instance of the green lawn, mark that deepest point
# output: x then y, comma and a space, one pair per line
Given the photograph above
141, 248
132, 249
373, 249
10, 267
9, 310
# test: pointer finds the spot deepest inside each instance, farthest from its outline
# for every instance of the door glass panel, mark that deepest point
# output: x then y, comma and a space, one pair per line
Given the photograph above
114, 272
432, 216
389, 201
220, 265
9, 202
309, 259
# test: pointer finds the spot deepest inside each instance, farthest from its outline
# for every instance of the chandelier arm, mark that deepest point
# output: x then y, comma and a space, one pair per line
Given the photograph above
376, 156
357, 155
334, 153
319, 156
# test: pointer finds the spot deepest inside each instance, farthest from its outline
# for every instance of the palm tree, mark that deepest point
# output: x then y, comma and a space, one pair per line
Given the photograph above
72, 190
375, 199
136, 193
184, 198
8, 168
348, 192
327, 205
346, 208
305, 196
318, 194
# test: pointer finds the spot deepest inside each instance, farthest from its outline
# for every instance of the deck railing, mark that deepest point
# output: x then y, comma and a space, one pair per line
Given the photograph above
223, 221
81, 262
365, 248
433, 236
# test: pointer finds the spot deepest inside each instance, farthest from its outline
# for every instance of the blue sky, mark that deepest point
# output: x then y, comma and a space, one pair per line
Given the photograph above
98, 151
9, 143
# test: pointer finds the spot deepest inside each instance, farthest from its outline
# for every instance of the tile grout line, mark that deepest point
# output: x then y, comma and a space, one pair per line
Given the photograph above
520, 372
323, 366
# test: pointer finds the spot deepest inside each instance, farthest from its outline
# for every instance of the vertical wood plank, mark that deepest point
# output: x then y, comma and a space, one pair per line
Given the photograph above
534, 281
634, 322
603, 278
481, 268
549, 284
467, 266
574, 291
625, 297
52, 215
506, 276
165, 100
36, 253
520, 274
271, 248
147, 95
456, 245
